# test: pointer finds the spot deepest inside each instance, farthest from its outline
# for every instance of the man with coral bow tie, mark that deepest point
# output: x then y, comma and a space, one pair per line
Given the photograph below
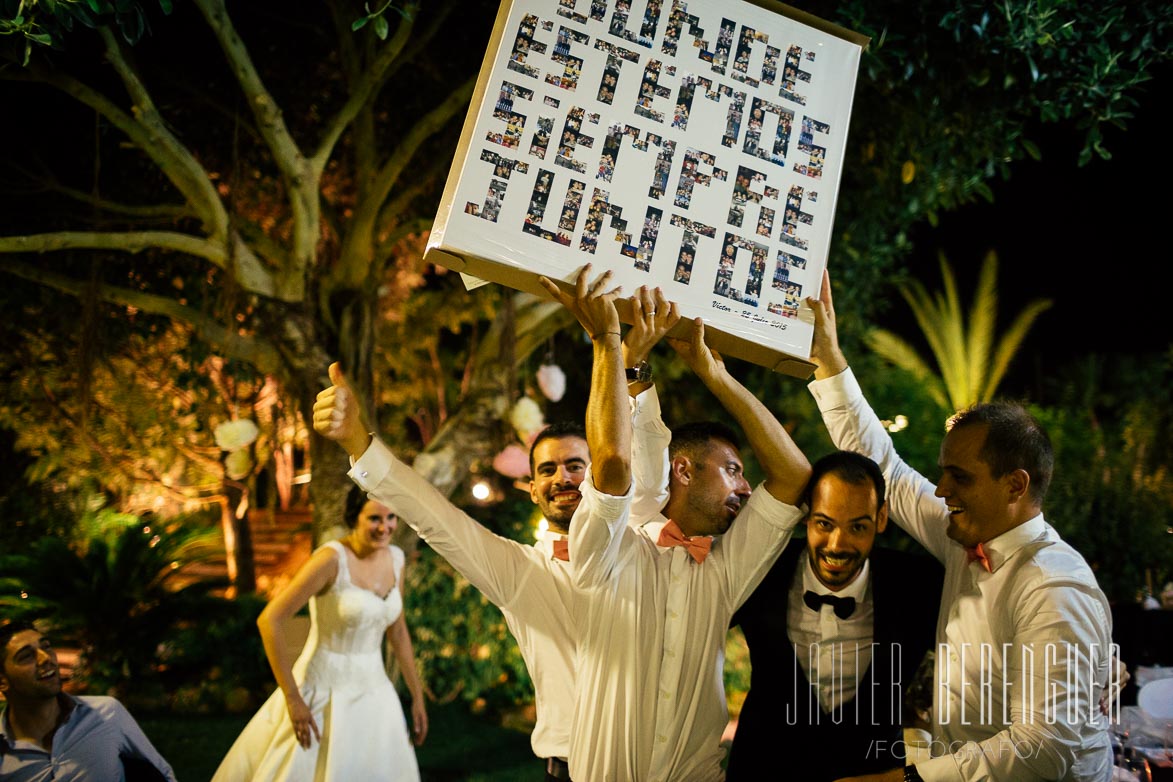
651, 701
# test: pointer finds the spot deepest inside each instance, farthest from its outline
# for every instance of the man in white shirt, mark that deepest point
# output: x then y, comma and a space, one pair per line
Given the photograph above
651, 703
530, 584
1024, 631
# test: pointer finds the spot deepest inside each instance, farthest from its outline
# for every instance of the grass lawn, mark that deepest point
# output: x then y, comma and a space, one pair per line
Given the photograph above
460, 747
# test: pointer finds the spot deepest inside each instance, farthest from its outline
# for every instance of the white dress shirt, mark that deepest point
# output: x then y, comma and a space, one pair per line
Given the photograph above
649, 457
998, 713
532, 589
651, 701
527, 583
840, 648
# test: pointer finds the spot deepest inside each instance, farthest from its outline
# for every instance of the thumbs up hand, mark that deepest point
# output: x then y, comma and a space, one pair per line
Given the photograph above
337, 416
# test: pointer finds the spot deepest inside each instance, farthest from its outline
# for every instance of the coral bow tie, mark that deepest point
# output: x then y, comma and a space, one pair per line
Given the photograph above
978, 554
698, 546
561, 550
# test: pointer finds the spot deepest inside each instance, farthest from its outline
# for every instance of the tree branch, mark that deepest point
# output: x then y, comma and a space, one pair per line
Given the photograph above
358, 249
251, 275
362, 91
144, 211
156, 141
127, 241
253, 350
300, 180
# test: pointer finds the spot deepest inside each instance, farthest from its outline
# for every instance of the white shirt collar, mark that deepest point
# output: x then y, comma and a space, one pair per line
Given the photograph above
857, 588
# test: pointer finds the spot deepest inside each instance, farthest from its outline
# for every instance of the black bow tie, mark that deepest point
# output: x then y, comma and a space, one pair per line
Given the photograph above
843, 606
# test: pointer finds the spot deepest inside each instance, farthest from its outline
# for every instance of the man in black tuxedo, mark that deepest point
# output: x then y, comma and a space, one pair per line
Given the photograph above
835, 637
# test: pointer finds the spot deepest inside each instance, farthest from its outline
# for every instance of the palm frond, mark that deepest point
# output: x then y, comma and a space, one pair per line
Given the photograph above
1010, 342
899, 352
982, 314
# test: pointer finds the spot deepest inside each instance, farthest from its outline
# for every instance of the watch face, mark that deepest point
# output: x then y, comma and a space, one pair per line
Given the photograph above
640, 373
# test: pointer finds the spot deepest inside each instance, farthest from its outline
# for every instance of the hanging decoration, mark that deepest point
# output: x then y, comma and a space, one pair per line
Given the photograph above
552, 381
236, 434
527, 418
512, 461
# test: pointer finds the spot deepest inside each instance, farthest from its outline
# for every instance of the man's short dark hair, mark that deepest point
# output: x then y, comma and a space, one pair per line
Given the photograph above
9, 628
556, 431
695, 438
852, 467
1014, 440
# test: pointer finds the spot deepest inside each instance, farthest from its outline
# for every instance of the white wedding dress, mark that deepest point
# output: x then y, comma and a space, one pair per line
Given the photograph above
342, 677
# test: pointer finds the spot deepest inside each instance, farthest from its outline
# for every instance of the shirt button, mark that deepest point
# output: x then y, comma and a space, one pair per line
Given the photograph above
364, 473
662, 739
671, 653
673, 615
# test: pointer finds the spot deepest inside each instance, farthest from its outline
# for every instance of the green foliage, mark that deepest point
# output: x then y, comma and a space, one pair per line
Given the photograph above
218, 663
970, 365
463, 647
422, 351
378, 20
1112, 495
946, 94
49, 22
116, 590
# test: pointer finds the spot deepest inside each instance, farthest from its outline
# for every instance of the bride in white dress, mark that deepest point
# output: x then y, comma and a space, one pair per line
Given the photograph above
335, 716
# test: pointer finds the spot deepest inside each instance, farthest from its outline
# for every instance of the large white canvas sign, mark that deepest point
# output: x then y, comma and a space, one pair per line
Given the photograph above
692, 145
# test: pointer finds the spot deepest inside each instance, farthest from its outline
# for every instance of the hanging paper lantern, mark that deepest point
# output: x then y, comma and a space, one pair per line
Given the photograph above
238, 464
236, 434
552, 381
526, 417
512, 462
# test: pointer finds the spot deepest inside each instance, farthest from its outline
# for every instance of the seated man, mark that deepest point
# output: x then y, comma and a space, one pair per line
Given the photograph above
47, 734
836, 632
651, 701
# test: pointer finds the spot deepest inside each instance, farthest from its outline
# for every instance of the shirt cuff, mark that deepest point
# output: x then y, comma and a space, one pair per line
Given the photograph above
940, 769
776, 513
835, 391
370, 468
607, 507
646, 405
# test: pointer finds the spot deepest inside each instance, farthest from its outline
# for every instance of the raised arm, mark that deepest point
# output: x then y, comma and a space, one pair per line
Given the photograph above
787, 469
497, 566
608, 417
652, 318
825, 353
854, 426
337, 416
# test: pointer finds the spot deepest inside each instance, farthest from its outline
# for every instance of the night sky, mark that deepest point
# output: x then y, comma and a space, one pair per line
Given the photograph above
1091, 238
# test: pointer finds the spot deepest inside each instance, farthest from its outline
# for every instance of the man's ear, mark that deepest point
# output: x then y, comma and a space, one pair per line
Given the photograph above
3, 682
882, 517
680, 470
1018, 484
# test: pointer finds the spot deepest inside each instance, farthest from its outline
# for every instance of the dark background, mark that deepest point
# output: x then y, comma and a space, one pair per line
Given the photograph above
1091, 238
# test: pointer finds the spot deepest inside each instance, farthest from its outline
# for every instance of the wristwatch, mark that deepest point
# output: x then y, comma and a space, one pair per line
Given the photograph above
911, 774
640, 373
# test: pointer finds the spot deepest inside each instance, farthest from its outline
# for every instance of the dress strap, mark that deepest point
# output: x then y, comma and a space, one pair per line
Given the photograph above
343, 564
